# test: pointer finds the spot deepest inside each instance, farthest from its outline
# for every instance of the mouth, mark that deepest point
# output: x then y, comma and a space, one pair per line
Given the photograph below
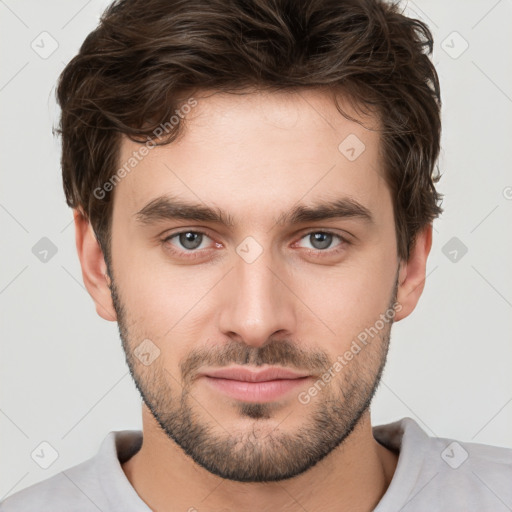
254, 385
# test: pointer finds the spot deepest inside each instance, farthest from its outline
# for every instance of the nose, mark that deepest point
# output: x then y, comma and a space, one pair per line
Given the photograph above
259, 303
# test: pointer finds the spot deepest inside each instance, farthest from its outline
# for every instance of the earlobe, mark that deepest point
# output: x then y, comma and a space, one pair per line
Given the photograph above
94, 268
411, 279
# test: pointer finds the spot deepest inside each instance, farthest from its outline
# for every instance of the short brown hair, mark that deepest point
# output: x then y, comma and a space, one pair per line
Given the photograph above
146, 56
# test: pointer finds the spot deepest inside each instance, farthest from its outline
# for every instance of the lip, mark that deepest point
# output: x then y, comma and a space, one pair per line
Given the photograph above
250, 385
250, 375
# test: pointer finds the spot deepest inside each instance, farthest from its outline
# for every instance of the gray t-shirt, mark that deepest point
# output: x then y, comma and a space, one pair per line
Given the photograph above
432, 475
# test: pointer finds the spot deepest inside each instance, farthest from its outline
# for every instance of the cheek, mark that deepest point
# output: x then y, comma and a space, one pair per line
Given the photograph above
163, 302
344, 301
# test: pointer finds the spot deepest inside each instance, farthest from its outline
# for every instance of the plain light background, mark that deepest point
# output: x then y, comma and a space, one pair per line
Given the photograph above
64, 380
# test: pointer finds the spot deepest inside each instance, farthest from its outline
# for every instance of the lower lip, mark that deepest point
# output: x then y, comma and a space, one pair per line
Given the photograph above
266, 391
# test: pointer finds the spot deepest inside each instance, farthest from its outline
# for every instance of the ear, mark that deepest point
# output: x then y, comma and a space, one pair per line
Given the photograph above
94, 268
412, 274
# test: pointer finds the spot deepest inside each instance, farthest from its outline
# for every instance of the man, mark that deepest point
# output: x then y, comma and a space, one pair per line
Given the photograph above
254, 189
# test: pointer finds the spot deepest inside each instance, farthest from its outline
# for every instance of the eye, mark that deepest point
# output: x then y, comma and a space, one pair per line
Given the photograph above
322, 240
187, 241
190, 244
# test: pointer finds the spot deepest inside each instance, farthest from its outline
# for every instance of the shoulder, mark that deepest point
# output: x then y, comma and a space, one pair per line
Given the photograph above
67, 490
98, 483
436, 473
472, 465
469, 475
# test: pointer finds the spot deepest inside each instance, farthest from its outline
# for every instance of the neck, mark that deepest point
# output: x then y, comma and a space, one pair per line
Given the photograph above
352, 477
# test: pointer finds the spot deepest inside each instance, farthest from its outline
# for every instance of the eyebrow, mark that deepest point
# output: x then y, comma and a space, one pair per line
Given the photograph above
174, 208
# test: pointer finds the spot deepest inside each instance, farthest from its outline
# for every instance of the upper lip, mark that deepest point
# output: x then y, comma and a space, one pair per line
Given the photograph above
253, 375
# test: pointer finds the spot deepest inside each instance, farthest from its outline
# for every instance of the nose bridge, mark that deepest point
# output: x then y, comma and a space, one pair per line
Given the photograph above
259, 304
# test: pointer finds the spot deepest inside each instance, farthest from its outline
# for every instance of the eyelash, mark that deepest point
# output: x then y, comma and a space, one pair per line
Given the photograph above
196, 253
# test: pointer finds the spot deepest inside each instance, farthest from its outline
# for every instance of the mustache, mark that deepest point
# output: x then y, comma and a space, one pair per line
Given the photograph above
282, 353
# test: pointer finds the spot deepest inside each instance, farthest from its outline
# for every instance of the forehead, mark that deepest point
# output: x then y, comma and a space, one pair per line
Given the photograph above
259, 152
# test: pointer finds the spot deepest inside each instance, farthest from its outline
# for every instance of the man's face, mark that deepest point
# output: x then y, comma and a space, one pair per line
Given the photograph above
261, 291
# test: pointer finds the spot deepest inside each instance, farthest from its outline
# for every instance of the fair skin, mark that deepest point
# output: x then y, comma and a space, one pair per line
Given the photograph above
256, 157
